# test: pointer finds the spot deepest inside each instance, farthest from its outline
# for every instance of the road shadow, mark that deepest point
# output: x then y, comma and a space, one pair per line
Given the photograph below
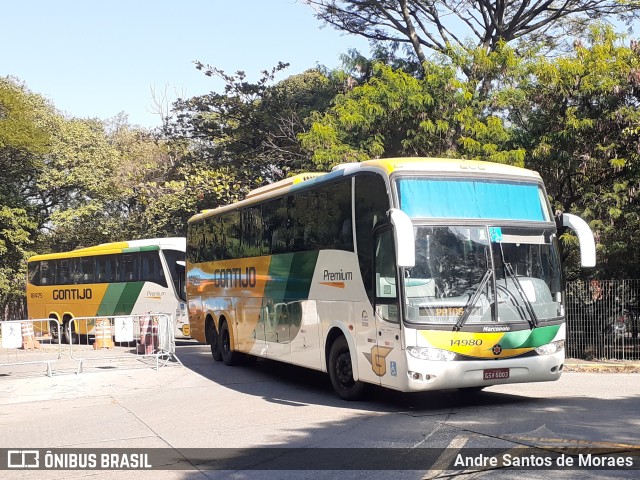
392, 431
300, 385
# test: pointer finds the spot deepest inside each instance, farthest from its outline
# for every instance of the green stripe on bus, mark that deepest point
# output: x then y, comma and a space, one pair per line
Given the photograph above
110, 299
529, 338
119, 298
128, 298
146, 248
541, 336
293, 273
279, 270
301, 275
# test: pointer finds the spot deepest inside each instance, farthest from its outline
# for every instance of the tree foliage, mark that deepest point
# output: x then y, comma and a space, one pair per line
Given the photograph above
252, 127
578, 118
23, 138
438, 26
396, 114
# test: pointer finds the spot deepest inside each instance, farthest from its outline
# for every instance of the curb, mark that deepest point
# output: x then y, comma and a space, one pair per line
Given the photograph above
601, 367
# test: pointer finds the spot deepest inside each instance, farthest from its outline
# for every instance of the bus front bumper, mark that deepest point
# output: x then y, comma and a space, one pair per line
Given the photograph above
437, 375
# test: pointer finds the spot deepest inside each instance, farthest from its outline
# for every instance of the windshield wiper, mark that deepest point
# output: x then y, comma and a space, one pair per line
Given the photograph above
472, 300
533, 320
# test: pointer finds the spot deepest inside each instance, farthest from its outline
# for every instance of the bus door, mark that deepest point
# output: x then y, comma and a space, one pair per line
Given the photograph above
386, 356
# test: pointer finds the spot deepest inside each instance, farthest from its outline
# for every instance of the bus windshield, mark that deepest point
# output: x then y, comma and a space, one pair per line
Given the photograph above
461, 271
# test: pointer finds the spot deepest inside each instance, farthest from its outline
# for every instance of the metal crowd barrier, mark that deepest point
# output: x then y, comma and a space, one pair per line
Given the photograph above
26, 342
128, 337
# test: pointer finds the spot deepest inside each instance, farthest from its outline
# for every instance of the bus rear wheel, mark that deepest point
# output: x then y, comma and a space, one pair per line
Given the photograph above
214, 340
53, 330
229, 357
69, 329
341, 372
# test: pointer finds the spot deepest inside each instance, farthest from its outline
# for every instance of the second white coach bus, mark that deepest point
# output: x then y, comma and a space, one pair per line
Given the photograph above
119, 278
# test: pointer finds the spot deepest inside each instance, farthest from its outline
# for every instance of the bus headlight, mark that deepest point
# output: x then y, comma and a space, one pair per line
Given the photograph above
550, 348
428, 353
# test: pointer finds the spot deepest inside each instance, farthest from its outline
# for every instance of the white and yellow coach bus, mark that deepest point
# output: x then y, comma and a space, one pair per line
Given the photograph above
413, 274
121, 278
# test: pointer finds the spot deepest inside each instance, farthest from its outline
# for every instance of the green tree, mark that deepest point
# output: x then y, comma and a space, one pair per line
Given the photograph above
77, 191
578, 118
164, 207
251, 129
397, 114
23, 139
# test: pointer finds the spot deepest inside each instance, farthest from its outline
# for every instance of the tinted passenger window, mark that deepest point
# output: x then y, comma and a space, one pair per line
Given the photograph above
372, 203
150, 268
252, 230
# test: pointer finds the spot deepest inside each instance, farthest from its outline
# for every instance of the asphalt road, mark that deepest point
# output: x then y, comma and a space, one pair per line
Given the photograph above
205, 404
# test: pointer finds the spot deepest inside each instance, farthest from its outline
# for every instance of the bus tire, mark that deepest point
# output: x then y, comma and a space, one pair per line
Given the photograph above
53, 329
70, 335
229, 357
214, 340
341, 371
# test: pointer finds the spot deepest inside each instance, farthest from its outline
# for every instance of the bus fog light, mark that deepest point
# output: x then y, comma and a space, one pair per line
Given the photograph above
550, 348
415, 376
428, 353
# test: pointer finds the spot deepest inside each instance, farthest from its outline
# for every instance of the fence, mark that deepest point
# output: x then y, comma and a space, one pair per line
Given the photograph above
131, 337
104, 340
603, 319
27, 342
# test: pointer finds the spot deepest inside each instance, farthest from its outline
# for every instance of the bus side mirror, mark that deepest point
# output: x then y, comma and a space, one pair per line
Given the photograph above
585, 237
405, 238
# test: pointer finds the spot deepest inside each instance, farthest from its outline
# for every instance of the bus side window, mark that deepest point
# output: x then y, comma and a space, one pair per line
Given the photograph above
195, 242
274, 214
371, 205
252, 229
87, 269
151, 268
385, 273
126, 268
385, 265
34, 273
62, 277
45, 273
76, 270
105, 268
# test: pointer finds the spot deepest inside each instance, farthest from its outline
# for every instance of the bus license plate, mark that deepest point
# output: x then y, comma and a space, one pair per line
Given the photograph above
496, 373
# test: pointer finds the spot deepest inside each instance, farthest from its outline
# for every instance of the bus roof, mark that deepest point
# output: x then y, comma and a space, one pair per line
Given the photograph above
173, 243
444, 165
387, 166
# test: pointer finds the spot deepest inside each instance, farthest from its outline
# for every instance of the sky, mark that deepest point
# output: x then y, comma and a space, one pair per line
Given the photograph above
101, 58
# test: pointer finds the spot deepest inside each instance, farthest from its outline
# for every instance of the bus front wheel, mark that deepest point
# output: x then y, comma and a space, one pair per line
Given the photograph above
229, 357
341, 372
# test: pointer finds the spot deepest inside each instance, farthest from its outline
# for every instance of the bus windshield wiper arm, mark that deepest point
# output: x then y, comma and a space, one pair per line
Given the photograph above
533, 321
472, 300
